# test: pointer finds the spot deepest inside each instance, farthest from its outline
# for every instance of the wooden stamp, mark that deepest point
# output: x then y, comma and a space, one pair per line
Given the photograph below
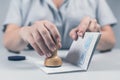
53, 61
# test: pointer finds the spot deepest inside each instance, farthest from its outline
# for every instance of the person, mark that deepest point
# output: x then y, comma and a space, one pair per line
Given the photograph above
46, 24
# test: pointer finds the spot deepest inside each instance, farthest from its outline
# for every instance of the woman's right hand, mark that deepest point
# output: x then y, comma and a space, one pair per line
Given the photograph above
42, 36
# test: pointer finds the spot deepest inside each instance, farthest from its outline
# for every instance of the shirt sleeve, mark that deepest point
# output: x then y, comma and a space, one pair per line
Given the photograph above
14, 15
104, 14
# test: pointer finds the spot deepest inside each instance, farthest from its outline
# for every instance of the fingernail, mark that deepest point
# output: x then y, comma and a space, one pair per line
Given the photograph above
59, 45
49, 54
53, 48
74, 37
58, 40
80, 34
41, 53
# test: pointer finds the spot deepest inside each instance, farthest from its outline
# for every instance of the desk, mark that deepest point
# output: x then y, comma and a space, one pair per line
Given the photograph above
104, 66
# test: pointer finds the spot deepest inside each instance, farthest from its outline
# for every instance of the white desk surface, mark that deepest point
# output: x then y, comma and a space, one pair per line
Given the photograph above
104, 66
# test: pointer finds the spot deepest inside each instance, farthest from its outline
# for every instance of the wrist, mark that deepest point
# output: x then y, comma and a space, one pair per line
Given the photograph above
21, 35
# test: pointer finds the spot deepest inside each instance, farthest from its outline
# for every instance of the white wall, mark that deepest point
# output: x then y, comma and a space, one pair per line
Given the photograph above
114, 4
3, 8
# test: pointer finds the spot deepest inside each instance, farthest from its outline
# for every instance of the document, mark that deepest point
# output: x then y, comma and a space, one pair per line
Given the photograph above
79, 55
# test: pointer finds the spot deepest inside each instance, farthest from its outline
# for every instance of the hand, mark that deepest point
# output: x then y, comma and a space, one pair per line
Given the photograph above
42, 36
87, 24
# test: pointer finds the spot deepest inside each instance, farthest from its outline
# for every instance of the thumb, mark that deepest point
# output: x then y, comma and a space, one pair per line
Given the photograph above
73, 34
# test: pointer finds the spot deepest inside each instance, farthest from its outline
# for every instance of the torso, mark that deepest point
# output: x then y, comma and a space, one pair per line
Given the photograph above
65, 14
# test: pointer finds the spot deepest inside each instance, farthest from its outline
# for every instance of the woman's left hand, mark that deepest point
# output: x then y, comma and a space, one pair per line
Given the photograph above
87, 24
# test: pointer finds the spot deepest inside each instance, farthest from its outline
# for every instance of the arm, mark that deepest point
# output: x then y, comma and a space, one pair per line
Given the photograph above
12, 40
42, 36
105, 17
107, 40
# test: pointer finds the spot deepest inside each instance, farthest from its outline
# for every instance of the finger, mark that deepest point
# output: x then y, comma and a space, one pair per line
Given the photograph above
93, 26
59, 45
54, 31
41, 44
99, 28
83, 26
34, 45
73, 34
46, 37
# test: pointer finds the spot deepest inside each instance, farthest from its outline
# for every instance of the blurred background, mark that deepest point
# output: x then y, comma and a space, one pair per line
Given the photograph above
114, 4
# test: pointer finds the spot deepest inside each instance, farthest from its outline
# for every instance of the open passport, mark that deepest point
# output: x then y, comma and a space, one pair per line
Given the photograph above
79, 55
